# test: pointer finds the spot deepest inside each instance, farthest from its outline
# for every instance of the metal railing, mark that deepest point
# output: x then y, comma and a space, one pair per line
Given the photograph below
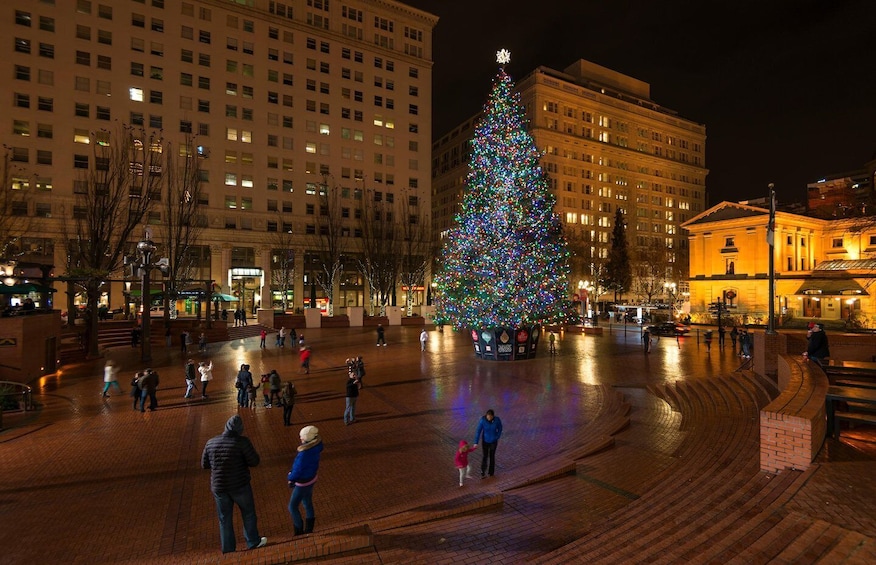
14, 389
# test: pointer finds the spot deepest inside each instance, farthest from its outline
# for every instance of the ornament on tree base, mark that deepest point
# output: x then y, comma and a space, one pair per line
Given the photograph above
506, 344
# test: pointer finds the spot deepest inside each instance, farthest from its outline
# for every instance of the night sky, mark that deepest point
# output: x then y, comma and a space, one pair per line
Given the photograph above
786, 89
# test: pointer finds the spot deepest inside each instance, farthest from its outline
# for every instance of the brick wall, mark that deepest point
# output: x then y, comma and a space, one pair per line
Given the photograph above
793, 426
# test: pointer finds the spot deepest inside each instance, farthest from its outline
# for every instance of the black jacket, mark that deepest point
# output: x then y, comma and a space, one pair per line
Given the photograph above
229, 456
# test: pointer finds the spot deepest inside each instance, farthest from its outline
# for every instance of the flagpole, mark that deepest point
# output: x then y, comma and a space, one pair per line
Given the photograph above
771, 240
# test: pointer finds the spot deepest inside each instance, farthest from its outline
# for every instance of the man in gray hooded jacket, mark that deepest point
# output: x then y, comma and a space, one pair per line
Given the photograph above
229, 457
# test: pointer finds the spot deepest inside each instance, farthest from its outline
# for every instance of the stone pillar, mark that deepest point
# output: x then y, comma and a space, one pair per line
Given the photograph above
356, 314
263, 260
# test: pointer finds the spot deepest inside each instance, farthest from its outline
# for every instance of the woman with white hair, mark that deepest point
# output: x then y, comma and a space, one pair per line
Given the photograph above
302, 477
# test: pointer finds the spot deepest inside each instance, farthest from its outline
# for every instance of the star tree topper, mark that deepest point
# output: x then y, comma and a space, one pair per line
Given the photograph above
503, 56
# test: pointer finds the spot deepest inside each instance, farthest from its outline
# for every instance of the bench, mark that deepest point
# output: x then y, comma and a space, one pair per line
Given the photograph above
865, 397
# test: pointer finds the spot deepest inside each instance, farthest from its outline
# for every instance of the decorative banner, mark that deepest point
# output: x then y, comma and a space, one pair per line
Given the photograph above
477, 344
504, 347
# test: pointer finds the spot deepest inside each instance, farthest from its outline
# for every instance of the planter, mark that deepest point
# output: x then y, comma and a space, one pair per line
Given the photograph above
506, 344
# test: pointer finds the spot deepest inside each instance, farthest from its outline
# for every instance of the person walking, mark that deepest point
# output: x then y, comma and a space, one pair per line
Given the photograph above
274, 384
110, 378
359, 370
229, 457
206, 370
148, 385
281, 337
707, 335
351, 396
135, 388
490, 429
817, 349
424, 337
721, 332
302, 477
381, 338
461, 460
191, 377
552, 340
202, 343
304, 356
287, 401
184, 342
734, 334
262, 337
646, 340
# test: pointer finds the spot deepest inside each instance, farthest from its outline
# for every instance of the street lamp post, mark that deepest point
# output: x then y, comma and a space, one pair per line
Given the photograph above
669, 289
146, 247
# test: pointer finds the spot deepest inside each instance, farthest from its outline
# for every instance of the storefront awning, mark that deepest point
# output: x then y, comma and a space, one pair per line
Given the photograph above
152, 292
224, 298
831, 287
24, 288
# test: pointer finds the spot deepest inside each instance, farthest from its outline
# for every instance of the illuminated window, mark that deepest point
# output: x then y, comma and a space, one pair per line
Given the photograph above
136, 94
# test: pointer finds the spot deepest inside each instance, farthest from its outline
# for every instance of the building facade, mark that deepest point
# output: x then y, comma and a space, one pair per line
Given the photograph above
824, 269
606, 145
282, 99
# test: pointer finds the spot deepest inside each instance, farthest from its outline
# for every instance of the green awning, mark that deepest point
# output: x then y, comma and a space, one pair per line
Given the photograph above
152, 292
25, 288
224, 298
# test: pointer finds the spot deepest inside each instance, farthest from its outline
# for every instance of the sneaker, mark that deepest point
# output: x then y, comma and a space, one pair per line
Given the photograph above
460, 484
263, 542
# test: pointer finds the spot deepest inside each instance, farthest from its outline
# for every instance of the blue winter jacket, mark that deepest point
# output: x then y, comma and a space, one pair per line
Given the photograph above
306, 464
491, 431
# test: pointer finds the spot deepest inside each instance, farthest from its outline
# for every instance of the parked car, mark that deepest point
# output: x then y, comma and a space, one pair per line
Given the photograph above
671, 329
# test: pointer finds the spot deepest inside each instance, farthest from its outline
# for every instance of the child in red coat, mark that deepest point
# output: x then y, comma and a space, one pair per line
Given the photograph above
461, 460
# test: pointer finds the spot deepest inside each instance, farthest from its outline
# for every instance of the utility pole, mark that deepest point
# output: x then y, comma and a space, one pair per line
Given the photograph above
771, 241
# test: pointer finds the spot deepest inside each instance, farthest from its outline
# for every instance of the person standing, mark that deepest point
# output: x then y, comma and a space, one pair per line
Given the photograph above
646, 340
359, 369
721, 332
424, 337
552, 340
707, 336
734, 334
351, 396
190, 378
281, 337
304, 356
817, 349
287, 401
135, 388
490, 429
148, 385
381, 338
184, 342
302, 477
206, 370
110, 378
202, 343
167, 337
229, 457
262, 337
242, 383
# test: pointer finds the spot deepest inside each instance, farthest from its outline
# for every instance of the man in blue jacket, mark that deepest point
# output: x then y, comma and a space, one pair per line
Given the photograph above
229, 457
490, 427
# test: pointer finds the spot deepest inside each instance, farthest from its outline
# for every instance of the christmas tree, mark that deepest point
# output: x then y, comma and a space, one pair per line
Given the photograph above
505, 264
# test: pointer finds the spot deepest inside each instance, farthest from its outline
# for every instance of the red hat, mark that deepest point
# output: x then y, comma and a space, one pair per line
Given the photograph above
811, 325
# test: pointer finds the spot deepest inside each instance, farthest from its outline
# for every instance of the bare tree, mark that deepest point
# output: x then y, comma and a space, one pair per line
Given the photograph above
650, 270
330, 241
380, 247
415, 233
282, 260
16, 195
112, 198
183, 223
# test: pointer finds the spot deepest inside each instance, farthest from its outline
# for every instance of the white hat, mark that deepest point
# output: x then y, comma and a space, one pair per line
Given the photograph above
308, 433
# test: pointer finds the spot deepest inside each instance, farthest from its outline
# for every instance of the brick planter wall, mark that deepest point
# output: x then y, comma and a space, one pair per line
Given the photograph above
793, 426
